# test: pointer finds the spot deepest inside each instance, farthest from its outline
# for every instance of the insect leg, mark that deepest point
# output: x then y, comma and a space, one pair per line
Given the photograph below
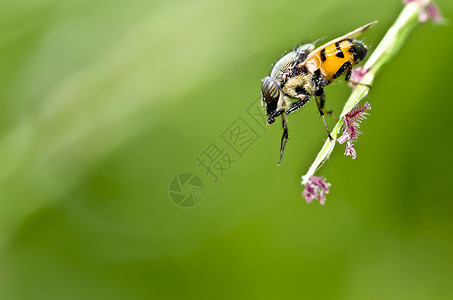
322, 102
274, 114
320, 93
348, 77
284, 138
358, 83
298, 104
321, 111
346, 66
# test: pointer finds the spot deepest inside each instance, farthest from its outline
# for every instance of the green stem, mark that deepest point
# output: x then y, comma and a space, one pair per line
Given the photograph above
385, 51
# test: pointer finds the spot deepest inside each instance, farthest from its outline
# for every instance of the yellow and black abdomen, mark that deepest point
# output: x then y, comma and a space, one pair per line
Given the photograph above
339, 57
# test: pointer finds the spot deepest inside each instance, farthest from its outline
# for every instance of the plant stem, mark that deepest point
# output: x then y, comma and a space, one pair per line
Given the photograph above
385, 51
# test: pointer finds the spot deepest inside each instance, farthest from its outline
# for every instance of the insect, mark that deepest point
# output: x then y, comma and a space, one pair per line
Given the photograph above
304, 72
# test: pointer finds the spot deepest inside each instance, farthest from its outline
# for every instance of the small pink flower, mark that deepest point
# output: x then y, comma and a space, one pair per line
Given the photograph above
351, 124
316, 188
350, 151
357, 75
429, 11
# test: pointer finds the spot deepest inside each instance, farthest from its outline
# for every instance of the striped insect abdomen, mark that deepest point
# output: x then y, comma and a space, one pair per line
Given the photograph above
333, 57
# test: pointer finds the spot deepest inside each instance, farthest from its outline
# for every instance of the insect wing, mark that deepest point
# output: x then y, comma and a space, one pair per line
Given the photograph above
351, 34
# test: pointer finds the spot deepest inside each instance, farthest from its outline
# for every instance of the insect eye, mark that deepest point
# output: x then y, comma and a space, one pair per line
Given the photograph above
270, 91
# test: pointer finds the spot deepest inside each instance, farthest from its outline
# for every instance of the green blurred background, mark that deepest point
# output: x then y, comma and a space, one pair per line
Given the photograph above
103, 103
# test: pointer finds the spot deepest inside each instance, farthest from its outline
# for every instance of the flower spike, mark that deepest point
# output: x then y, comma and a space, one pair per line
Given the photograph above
316, 188
351, 126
